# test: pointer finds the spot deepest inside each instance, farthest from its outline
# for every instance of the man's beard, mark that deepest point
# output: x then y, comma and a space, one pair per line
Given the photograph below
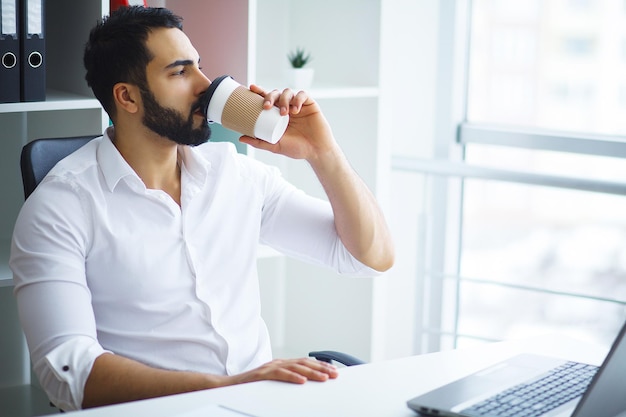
170, 123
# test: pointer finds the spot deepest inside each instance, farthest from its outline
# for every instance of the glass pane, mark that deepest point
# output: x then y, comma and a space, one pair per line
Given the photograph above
549, 64
546, 238
526, 313
562, 164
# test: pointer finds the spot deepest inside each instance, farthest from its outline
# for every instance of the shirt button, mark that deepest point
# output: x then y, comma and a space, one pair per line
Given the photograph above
66, 368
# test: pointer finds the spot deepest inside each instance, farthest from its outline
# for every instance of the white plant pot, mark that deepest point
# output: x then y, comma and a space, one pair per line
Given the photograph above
301, 78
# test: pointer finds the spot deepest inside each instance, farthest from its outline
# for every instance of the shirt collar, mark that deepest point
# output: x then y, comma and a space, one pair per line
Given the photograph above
115, 168
196, 165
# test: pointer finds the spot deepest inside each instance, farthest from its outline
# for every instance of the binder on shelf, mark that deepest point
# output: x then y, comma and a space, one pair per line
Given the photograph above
33, 50
9, 52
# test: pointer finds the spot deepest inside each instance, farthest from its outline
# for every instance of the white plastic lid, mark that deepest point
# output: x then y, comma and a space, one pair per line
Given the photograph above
218, 100
270, 126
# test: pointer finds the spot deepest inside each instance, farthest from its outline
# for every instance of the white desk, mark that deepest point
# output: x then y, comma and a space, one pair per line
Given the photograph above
377, 389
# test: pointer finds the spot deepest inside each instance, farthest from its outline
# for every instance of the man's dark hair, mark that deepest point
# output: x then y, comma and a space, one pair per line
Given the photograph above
116, 50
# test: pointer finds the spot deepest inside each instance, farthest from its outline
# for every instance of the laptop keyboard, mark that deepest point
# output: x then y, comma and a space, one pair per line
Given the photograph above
533, 399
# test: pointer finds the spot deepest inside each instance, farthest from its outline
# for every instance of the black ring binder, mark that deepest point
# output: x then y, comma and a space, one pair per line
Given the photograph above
10, 52
33, 50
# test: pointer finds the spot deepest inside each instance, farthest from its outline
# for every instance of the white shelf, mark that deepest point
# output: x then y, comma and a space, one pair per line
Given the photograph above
6, 281
55, 100
6, 277
329, 91
344, 92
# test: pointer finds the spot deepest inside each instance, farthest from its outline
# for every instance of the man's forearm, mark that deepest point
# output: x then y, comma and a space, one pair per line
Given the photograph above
358, 218
116, 379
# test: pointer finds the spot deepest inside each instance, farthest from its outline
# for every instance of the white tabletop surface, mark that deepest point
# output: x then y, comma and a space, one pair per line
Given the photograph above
378, 389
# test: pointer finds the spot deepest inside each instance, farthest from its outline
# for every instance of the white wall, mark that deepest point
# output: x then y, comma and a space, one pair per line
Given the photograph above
409, 68
423, 68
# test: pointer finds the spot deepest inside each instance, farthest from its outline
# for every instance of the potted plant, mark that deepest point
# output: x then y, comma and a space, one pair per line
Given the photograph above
301, 77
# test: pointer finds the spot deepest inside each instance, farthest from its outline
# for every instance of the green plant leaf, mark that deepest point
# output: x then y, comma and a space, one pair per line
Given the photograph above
299, 58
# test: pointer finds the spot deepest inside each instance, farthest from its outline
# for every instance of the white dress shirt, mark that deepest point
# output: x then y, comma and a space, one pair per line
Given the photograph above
101, 263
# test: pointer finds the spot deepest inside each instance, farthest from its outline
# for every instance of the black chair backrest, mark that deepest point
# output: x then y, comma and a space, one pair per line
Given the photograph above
39, 156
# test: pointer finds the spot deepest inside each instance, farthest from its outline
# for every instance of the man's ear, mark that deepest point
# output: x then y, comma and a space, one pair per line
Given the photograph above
126, 97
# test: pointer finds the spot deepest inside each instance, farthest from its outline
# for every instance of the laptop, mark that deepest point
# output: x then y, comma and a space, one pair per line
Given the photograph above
529, 385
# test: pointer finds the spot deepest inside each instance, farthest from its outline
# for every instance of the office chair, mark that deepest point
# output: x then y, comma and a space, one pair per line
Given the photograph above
39, 156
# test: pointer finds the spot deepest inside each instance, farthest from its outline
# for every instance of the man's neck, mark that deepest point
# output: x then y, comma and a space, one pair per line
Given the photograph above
154, 159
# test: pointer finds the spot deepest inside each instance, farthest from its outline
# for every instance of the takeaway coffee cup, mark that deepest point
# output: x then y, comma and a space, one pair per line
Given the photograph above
237, 108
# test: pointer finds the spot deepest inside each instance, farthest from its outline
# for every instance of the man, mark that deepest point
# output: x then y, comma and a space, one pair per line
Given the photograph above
134, 260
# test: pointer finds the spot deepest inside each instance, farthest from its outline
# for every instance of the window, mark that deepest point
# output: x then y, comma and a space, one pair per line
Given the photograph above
545, 99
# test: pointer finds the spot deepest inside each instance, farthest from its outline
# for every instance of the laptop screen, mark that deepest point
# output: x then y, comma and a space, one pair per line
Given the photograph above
606, 395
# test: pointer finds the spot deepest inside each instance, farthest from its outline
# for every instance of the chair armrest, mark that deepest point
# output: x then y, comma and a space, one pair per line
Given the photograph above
330, 355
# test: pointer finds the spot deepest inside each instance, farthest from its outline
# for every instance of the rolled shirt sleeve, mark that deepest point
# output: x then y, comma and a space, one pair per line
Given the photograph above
60, 330
303, 227
64, 371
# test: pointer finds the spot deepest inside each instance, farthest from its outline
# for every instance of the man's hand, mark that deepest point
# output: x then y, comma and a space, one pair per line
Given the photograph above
308, 135
296, 371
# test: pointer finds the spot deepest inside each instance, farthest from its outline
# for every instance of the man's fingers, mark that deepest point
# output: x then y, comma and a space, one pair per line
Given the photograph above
301, 370
287, 100
288, 375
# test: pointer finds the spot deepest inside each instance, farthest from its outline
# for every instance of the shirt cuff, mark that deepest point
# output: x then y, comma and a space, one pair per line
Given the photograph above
64, 371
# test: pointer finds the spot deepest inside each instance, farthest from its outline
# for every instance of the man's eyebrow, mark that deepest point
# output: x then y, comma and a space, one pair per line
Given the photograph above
180, 63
